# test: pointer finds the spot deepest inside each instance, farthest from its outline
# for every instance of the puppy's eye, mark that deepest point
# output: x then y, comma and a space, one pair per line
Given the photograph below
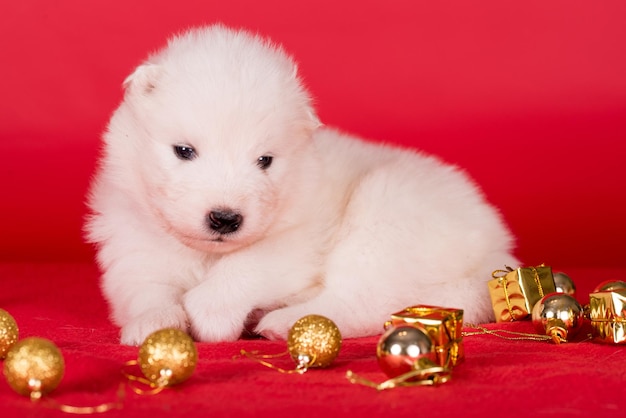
185, 152
264, 161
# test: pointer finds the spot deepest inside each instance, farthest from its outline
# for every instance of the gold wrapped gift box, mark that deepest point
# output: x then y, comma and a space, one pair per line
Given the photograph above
443, 325
607, 312
515, 292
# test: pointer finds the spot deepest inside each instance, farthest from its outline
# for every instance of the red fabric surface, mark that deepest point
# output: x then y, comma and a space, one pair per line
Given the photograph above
499, 377
530, 98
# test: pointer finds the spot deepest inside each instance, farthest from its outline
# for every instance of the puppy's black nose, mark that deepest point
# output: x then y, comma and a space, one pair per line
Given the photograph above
224, 221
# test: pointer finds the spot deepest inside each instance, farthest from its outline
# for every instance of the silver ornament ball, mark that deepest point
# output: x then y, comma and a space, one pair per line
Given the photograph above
558, 315
403, 349
564, 284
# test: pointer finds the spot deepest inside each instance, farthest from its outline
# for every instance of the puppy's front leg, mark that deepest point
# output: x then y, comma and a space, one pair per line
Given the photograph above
143, 300
241, 282
218, 307
145, 290
162, 309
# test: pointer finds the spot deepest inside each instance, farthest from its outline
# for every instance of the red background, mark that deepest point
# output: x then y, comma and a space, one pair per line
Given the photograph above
529, 97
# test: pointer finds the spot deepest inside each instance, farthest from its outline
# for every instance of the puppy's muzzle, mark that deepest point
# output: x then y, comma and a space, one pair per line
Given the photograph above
224, 221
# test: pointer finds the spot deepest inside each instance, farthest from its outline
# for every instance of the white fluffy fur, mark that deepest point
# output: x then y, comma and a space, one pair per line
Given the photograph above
335, 226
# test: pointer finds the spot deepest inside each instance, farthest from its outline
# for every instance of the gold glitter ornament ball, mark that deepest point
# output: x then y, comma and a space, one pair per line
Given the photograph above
167, 357
34, 366
314, 341
9, 333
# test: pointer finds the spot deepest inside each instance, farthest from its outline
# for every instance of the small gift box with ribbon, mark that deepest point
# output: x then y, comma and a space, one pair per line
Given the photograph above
443, 325
607, 312
514, 293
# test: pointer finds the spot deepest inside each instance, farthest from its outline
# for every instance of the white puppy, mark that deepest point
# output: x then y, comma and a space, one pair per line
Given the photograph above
219, 195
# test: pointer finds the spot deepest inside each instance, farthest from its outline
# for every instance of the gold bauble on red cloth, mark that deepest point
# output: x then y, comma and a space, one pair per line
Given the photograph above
558, 315
9, 332
313, 341
167, 357
34, 366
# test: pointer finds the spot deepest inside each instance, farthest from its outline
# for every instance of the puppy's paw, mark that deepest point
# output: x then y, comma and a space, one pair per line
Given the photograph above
276, 324
213, 322
136, 330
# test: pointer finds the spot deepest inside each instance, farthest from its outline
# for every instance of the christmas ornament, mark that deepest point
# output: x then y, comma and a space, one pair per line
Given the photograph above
33, 367
9, 332
558, 315
514, 292
607, 312
443, 325
564, 284
167, 357
610, 285
401, 349
313, 341
406, 354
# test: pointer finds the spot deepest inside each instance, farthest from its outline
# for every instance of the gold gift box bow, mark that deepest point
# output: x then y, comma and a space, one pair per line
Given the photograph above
443, 325
515, 292
607, 312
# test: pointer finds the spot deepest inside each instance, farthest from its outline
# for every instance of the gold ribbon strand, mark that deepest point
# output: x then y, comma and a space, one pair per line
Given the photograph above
85, 410
504, 334
538, 280
424, 374
154, 387
301, 367
502, 280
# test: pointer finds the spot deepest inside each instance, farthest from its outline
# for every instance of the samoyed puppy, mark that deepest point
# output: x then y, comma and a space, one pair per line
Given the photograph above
221, 197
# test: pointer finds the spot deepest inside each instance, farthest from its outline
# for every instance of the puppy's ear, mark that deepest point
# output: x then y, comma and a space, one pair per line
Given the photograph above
143, 80
313, 119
